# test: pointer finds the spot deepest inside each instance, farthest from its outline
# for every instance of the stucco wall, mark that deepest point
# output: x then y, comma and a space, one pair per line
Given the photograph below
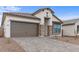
15, 18
8, 20
42, 14
6, 26
69, 30
76, 24
55, 19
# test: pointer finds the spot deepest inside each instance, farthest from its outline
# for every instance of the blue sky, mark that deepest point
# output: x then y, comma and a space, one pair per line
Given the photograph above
62, 12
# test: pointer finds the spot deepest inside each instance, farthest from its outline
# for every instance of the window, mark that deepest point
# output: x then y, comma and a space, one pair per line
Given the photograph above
56, 28
78, 29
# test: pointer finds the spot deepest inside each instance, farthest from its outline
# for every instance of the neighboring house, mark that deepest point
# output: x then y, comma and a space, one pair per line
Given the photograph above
43, 22
71, 27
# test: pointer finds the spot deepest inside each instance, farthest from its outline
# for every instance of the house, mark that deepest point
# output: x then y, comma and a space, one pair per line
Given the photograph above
42, 22
71, 27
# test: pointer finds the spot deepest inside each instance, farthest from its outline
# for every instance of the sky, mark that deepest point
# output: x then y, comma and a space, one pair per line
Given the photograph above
62, 12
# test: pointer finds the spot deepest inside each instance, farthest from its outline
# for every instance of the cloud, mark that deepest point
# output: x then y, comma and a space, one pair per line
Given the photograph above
9, 9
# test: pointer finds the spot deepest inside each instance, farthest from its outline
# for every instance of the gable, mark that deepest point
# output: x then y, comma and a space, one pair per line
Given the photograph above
42, 9
43, 13
56, 19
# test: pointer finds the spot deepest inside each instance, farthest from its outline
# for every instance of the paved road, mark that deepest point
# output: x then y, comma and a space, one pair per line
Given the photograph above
39, 44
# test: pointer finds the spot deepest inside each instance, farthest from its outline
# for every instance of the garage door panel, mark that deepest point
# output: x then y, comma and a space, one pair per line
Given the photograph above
23, 29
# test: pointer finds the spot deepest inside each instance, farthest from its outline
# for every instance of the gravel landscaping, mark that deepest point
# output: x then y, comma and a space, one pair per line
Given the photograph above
9, 46
45, 44
73, 40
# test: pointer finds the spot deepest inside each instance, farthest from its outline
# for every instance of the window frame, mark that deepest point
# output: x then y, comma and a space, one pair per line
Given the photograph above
53, 32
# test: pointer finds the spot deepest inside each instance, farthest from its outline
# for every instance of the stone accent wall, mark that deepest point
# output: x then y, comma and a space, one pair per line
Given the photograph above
49, 30
41, 30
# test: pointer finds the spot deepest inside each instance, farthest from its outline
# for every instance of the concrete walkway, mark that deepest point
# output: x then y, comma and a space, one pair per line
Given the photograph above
39, 44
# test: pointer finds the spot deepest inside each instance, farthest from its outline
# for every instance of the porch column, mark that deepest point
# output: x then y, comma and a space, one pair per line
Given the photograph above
61, 34
7, 29
50, 27
49, 30
41, 30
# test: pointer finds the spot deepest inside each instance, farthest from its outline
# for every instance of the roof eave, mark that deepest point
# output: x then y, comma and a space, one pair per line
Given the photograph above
22, 16
4, 15
36, 12
58, 18
68, 24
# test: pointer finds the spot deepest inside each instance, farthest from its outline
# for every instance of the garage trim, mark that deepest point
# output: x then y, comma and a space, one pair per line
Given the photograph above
37, 33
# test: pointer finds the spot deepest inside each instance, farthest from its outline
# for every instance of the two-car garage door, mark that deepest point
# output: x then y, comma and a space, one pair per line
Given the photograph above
23, 29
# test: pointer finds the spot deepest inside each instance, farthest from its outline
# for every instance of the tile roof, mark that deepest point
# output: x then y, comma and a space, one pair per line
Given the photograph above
29, 15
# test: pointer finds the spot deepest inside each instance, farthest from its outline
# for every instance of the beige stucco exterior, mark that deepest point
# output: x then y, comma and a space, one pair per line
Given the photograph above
8, 20
43, 27
42, 15
71, 30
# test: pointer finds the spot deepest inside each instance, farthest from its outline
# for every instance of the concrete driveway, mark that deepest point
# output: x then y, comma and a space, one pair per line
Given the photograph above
45, 44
